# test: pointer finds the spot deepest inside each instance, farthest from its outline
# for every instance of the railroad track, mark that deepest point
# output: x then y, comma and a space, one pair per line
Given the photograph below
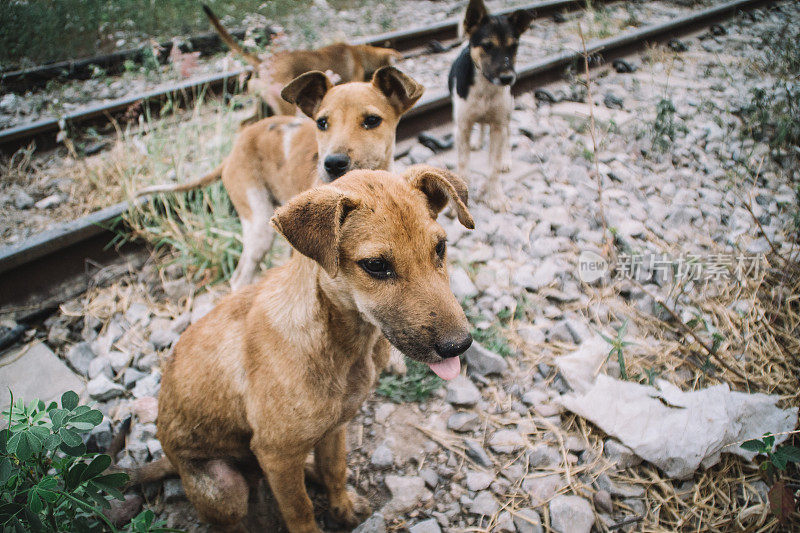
412, 42
52, 267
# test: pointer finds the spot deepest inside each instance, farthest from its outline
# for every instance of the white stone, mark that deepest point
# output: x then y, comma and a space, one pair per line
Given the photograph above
571, 514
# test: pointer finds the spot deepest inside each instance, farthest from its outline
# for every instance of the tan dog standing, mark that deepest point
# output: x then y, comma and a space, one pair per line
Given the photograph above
345, 61
353, 127
278, 369
480, 83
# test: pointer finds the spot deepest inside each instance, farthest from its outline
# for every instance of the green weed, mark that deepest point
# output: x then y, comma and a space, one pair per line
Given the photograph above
773, 465
48, 480
618, 345
665, 127
415, 386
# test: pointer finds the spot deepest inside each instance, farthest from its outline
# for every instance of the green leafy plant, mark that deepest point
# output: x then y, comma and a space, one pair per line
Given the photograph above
773, 465
665, 127
618, 344
415, 386
48, 481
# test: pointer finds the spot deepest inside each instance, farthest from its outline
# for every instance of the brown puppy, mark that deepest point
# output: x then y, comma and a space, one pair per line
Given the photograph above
278, 369
345, 61
276, 158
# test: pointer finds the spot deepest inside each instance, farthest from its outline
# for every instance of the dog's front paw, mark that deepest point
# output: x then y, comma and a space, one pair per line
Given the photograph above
495, 198
346, 509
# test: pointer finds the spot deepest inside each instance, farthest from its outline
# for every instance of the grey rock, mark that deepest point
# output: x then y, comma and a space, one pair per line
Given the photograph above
622, 490
38, 373
506, 441
137, 312
23, 200
571, 514
541, 489
531, 334
406, 491
99, 365
463, 422
138, 450
101, 388
131, 376
419, 154
619, 454
173, 490
426, 526
146, 361
602, 501
163, 338
101, 435
544, 456
80, 357
505, 524
383, 412
528, 521
476, 452
430, 476
147, 386
374, 524
10, 103
461, 284
484, 504
57, 336
382, 457
461, 391
477, 480
484, 362
119, 360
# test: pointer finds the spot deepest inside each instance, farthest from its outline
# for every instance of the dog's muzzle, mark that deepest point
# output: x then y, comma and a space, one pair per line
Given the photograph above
506, 78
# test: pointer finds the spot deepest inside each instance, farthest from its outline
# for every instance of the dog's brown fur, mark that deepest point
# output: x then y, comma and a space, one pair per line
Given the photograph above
347, 62
279, 157
279, 368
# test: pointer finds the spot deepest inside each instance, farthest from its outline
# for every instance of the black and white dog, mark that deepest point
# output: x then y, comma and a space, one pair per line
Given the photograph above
480, 83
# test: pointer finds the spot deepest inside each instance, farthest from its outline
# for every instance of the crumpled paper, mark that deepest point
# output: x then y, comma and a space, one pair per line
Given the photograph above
675, 430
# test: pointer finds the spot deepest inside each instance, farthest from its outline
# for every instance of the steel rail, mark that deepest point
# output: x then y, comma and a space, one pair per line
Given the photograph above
46, 129
34, 271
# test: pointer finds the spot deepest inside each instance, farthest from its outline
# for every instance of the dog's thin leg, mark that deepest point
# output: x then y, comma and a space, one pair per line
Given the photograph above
480, 139
257, 237
462, 134
330, 457
505, 154
285, 476
498, 134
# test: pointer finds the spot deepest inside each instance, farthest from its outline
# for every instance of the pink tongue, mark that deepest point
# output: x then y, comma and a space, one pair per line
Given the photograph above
447, 369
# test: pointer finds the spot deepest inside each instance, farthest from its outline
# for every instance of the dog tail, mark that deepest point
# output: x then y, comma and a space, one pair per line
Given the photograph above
145, 473
228, 39
211, 177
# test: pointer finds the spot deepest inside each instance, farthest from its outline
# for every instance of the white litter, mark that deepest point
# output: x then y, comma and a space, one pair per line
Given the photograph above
676, 431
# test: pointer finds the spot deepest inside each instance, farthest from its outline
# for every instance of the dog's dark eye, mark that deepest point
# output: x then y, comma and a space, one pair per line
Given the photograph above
377, 267
371, 121
513, 49
441, 246
487, 46
322, 124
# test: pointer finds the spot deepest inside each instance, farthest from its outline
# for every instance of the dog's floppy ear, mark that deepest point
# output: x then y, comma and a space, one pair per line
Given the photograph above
401, 90
312, 223
520, 20
476, 12
441, 186
306, 91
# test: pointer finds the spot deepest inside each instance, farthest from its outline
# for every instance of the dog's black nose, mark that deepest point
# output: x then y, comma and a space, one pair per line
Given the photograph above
453, 347
337, 164
507, 79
